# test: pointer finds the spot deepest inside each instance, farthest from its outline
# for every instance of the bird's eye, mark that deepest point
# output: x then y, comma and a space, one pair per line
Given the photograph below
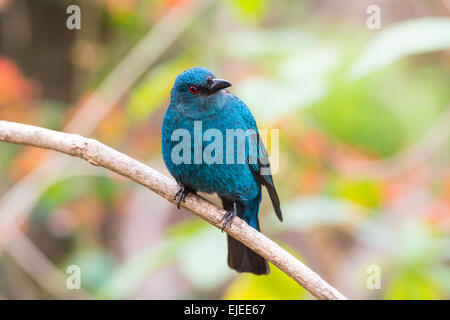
193, 89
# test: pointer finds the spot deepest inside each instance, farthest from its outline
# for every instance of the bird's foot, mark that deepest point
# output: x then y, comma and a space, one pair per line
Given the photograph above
181, 194
229, 217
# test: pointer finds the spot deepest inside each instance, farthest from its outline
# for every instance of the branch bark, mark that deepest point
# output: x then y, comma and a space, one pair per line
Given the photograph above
99, 154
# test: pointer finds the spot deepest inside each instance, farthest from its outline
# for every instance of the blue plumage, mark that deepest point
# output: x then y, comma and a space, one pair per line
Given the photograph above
202, 110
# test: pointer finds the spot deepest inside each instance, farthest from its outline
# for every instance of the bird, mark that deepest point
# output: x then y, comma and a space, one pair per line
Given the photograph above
199, 100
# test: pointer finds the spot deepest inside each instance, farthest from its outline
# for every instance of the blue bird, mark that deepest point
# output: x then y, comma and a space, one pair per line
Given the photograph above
234, 168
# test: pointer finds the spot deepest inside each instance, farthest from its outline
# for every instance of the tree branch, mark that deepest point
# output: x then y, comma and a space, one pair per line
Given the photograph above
99, 154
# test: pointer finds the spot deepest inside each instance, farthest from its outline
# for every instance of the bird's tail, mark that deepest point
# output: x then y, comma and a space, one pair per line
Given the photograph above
240, 257
244, 259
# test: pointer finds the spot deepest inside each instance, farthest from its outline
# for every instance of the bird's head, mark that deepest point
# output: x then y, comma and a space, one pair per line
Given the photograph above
197, 90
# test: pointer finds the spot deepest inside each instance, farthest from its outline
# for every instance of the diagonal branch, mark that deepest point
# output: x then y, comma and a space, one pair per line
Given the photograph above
101, 155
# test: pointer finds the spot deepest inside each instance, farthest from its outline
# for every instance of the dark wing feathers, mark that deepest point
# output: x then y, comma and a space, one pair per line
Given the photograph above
262, 161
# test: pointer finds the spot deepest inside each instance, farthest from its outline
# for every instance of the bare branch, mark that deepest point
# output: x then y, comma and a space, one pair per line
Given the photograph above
101, 155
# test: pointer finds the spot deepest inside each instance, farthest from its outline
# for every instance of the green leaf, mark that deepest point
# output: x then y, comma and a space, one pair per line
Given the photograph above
66, 190
417, 246
266, 46
305, 213
200, 243
127, 278
58, 194
299, 80
412, 286
186, 229
366, 193
95, 265
8, 152
441, 275
153, 91
249, 10
275, 286
401, 40
352, 112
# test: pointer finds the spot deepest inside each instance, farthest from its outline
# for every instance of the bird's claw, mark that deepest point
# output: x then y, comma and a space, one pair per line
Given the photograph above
181, 194
229, 217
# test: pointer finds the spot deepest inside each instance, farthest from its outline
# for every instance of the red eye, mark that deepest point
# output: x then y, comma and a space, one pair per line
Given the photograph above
193, 89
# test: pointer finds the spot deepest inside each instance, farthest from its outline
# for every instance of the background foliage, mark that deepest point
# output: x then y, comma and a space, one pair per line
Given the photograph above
363, 116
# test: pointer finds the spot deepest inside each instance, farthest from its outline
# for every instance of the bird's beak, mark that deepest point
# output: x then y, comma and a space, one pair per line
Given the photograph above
217, 85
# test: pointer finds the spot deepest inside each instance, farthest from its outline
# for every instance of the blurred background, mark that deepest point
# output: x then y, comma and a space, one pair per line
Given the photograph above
364, 124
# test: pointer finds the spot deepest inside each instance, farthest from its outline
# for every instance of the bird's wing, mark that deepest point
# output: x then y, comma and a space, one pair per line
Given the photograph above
258, 160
